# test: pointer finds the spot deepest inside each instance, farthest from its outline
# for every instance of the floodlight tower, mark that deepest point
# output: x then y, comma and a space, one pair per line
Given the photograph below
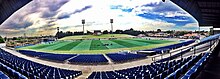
111, 21
58, 29
83, 22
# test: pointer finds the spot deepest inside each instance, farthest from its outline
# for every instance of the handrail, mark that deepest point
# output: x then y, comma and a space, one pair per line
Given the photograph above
193, 48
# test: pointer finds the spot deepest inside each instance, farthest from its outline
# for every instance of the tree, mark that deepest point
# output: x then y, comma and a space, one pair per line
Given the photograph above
88, 32
169, 31
1, 40
118, 31
131, 29
158, 30
105, 32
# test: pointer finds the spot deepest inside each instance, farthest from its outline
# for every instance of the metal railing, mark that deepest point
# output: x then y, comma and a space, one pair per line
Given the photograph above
194, 49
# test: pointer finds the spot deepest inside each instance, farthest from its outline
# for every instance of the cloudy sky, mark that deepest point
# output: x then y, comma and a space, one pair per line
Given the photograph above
41, 17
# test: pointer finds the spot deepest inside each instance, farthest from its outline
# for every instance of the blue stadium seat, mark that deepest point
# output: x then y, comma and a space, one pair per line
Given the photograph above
89, 59
57, 57
31, 69
191, 74
159, 70
31, 53
3, 76
124, 56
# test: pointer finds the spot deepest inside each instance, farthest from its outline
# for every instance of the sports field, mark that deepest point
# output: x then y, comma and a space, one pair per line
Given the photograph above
98, 46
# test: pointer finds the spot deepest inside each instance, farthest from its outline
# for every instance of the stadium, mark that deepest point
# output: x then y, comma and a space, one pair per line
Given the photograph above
109, 39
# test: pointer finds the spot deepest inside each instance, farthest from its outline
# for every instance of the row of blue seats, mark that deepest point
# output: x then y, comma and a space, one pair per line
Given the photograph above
48, 56
174, 56
124, 56
31, 53
155, 70
57, 57
11, 72
81, 58
169, 47
183, 69
3, 76
178, 69
89, 59
194, 71
35, 70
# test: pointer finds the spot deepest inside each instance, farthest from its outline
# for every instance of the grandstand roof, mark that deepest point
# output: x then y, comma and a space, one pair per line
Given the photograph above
8, 7
206, 12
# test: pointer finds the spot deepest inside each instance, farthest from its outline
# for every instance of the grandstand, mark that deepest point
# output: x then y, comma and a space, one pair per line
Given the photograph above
191, 59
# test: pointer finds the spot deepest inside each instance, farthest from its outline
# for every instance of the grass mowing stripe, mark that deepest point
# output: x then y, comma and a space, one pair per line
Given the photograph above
135, 42
84, 45
97, 45
69, 46
126, 44
56, 46
113, 46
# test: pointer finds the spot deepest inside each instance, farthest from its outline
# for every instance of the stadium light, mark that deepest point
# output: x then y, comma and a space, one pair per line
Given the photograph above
111, 21
58, 29
83, 22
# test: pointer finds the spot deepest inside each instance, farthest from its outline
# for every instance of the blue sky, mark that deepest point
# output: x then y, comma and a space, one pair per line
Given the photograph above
41, 17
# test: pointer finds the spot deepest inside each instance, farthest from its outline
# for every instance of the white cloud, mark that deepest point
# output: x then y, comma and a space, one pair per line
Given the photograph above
159, 25
191, 25
100, 14
176, 13
97, 17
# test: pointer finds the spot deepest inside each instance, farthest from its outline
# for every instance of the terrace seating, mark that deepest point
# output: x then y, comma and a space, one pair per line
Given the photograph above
57, 57
194, 71
183, 69
154, 70
3, 76
89, 59
31, 53
34, 70
209, 68
11, 72
47, 56
124, 56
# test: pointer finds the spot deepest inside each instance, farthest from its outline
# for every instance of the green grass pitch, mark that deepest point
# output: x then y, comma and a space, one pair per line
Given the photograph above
98, 46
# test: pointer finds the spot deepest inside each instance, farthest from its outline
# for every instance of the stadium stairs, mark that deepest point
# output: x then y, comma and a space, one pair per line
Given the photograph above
212, 69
